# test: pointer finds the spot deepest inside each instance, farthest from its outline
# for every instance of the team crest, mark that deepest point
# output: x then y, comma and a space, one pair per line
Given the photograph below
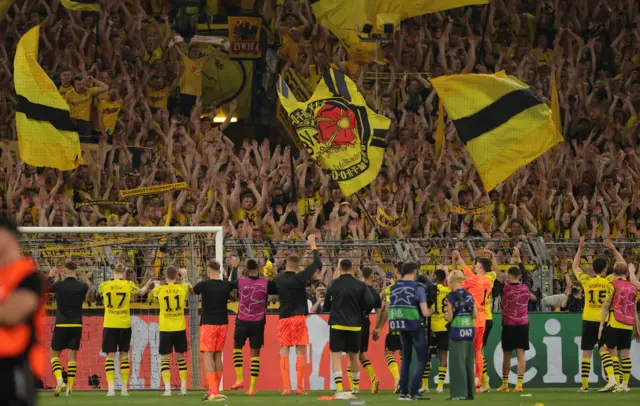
338, 130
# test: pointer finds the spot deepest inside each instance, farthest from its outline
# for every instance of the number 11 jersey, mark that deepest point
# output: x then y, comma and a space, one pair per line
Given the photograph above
116, 295
172, 299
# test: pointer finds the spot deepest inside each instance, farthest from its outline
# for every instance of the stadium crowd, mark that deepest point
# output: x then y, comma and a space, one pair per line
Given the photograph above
129, 85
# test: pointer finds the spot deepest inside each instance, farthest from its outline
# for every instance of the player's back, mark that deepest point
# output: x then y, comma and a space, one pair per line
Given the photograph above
292, 294
595, 292
438, 322
347, 298
215, 296
117, 301
172, 298
70, 294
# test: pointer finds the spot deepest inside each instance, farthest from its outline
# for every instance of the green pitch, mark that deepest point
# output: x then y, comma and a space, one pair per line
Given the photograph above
547, 397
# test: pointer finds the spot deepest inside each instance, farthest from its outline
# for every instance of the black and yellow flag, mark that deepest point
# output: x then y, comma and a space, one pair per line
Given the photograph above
342, 16
82, 5
340, 132
503, 124
46, 135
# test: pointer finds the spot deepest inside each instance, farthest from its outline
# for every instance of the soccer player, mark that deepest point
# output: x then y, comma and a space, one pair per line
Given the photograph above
214, 322
21, 320
392, 344
480, 286
69, 295
408, 312
172, 297
116, 333
254, 292
621, 318
439, 328
515, 326
493, 275
368, 274
291, 286
595, 291
346, 300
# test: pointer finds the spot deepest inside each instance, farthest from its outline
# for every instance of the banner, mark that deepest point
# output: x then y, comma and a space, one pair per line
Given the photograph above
478, 210
244, 37
102, 203
153, 190
552, 362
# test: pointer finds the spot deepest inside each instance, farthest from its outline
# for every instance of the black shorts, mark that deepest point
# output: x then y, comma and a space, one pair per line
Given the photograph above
18, 384
589, 335
442, 340
66, 338
344, 341
617, 338
249, 330
392, 342
173, 340
116, 340
515, 337
487, 330
364, 338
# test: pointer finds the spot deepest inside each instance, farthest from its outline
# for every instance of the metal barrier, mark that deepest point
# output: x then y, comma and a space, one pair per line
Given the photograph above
539, 255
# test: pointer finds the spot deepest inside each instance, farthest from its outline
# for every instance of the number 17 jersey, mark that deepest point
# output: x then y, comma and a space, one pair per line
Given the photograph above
172, 299
116, 295
595, 292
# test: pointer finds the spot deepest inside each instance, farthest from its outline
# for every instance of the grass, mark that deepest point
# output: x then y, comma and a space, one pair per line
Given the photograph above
547, 397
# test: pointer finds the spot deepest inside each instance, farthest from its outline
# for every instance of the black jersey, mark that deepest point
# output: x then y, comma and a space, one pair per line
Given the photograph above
69, 294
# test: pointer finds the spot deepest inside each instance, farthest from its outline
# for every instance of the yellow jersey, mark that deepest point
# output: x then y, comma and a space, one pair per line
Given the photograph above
438, 322
158, 97
595, 292
117, 298
172, 299
80, 103
109, 112
191, 79
63, 90
493, 276
612, 320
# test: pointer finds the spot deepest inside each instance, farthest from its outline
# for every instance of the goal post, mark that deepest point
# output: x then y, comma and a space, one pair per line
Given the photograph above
145, 251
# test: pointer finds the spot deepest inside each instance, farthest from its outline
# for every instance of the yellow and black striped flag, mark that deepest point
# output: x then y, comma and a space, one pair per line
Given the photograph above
82, 5
341, 133
46, 134
503, 124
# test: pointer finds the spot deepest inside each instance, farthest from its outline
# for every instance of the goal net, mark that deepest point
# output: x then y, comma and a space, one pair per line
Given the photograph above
146, 252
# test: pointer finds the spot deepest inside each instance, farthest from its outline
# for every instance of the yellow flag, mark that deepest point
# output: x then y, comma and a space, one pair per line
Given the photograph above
555, 103
413, 8
341, 133
503, 124
46, 134
342, 16
440, 132
82, 5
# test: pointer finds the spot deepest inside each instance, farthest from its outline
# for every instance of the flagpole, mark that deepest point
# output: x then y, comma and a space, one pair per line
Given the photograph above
484, 32
364, 208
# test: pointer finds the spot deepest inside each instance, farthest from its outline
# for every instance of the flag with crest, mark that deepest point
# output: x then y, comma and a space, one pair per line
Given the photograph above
340, 132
